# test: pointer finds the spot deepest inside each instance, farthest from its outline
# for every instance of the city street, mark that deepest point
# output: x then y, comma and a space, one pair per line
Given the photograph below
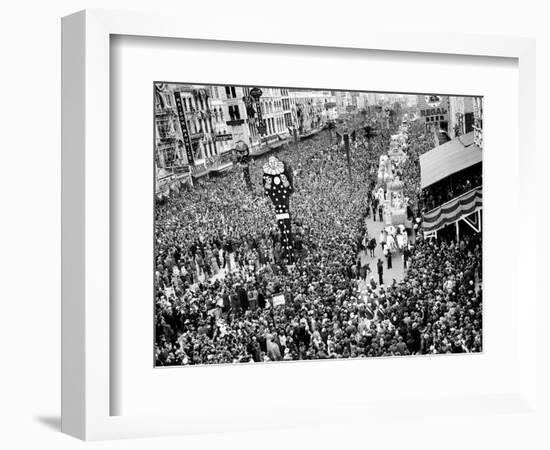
396, 272
259, 244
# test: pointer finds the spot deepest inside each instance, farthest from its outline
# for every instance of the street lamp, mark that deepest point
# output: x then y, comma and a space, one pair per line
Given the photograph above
346, 147
243, 158
330, 127
256, 93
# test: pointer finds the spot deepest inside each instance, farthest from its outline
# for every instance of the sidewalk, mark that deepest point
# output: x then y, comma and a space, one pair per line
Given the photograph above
396, 271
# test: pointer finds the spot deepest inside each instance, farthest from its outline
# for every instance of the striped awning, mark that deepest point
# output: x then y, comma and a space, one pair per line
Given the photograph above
450, 212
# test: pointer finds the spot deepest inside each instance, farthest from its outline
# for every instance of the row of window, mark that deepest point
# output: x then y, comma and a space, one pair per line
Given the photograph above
274, 125
209, 148
288, 119
286, 104
230, 92
165, 100
199, 126
234, 112
269, 107
193, 103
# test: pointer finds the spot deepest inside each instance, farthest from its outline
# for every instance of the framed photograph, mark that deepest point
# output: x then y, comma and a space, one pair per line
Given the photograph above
301, 224
249, 217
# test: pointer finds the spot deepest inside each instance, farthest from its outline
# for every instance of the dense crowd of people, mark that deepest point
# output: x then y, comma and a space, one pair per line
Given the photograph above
224, 293
442, 192
419, 142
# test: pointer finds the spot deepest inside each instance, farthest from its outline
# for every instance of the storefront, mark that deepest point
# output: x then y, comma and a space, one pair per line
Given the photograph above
172, 181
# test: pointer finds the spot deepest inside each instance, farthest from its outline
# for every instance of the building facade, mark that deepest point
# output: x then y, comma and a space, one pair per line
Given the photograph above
477, 103
461, 116
196, 123
287, 109
197, 127
362, 101
344, 102
434, 112
232, 126
312, 109
171, 163
273, 112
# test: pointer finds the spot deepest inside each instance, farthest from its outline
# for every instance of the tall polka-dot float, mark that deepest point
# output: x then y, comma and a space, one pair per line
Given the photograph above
277, 182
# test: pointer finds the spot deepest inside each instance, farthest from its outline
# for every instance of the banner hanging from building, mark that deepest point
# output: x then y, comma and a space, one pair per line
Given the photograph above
184, 130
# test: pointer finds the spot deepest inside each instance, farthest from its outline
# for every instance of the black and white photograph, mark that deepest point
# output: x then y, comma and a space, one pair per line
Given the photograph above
295, 224
270, 224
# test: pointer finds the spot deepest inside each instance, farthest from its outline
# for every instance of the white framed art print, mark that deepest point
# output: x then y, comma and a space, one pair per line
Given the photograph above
319, 212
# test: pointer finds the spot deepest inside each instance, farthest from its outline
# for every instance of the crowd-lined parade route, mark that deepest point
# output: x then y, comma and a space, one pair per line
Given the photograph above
275, 248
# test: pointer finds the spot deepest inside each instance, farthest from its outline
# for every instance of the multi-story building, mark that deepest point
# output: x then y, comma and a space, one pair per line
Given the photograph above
477, 103
187, 126
312, 109
362, 101
326, 101
273, 113
222, 132
287, 108
461, 116
344, 102
273, 105
232, 125
373, 99
197, 116
167, 153
171, 162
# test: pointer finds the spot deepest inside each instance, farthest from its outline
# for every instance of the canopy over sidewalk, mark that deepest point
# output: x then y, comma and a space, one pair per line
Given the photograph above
448, 158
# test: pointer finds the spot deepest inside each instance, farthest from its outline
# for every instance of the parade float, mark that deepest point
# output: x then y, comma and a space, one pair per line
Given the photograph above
397, 153
278, 186
390, 191
398, 145
396, 203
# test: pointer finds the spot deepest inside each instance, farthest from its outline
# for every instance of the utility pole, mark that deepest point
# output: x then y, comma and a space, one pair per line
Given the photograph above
330, 126
346, 146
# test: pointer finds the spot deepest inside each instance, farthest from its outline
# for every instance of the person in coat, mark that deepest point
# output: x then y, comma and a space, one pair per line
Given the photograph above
380, 267
243, 298
273, 350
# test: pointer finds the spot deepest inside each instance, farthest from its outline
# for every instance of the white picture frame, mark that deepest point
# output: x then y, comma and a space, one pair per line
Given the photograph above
86, 324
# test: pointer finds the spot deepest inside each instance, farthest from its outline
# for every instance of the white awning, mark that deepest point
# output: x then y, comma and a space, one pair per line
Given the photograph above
446, 159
